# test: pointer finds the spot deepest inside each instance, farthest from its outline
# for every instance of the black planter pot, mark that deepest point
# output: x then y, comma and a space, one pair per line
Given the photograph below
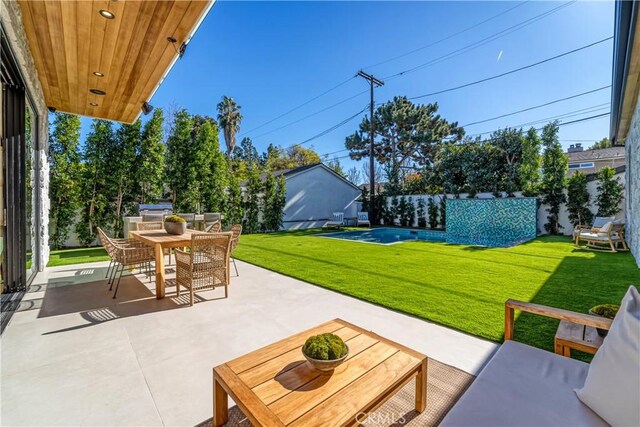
602, 332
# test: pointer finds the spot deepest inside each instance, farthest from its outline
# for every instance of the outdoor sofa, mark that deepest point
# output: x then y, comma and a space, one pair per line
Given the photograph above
526, 386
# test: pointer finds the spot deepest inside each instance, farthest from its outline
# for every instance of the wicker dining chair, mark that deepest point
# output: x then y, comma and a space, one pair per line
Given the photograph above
215, 227
210, 218
145, 226
206, 265
106, 242
236, 230
125, 254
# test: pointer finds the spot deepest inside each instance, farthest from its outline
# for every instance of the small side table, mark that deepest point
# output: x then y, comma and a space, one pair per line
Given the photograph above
578, 337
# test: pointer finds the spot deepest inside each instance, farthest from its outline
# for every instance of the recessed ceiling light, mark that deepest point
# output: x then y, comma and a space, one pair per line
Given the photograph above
97, 91
106, 14
93, 104
97, 73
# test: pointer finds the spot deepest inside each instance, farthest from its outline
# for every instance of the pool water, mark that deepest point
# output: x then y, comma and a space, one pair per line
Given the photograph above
389, 235
386, 236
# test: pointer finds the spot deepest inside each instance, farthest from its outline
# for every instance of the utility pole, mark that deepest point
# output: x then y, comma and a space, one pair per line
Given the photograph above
372, 178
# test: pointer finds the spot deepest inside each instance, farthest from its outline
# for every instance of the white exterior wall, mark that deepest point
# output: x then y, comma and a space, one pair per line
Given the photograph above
632, 185
314, 194
12, 23
542, 211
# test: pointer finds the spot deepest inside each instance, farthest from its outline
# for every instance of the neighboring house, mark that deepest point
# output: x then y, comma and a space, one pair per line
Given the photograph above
591, 161
314, 192
625, 112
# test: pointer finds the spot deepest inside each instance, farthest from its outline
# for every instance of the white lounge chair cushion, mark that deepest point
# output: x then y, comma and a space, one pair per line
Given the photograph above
525, 386
587, 235
604, 230
612, 386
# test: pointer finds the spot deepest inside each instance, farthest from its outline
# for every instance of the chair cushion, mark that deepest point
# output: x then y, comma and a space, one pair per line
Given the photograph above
604, 230
601, 221
612, 386
525, 386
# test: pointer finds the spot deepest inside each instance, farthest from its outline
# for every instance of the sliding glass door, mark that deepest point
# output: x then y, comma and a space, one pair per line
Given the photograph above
17, 138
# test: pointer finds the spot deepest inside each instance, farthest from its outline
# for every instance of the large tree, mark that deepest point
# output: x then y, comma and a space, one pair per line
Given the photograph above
252, 201
603, 143
554, 169
578, 199
277, 158
530, 165
404, 133
229, 118
150, 166
65, 176
122, 159
96, 180
178, 170
610, 192
509, 142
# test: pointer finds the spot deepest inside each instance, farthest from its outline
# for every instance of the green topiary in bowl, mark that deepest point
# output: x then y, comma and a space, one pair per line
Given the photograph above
174, 218
325, 352
604, 310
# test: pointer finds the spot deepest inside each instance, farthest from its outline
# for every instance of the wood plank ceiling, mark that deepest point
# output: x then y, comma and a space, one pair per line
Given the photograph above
71, 41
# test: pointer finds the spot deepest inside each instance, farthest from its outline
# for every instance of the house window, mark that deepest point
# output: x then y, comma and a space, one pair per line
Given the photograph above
581, 165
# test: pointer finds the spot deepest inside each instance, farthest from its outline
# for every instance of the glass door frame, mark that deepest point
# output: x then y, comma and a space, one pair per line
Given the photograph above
16, 99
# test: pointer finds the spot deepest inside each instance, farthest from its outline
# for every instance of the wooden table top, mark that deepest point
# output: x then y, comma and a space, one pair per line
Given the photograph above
276, 386
153, 237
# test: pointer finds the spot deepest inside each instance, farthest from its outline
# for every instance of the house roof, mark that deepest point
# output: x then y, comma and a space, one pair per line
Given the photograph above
593, 155
295, 171
626, 69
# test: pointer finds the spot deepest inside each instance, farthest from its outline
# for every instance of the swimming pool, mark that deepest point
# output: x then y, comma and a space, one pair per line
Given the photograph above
387, 235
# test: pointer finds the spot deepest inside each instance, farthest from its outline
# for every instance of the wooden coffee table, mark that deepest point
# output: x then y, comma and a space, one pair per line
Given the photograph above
276, 386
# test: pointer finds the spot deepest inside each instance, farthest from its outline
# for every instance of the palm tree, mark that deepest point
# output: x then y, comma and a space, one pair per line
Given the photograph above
229, 118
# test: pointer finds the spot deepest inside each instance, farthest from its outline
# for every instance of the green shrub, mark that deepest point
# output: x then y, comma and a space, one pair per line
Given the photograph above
325, 347
174, 218
433, 214
606, 310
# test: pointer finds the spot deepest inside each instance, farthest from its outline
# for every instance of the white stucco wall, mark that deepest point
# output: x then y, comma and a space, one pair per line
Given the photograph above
314, 194
632, 185
11, 17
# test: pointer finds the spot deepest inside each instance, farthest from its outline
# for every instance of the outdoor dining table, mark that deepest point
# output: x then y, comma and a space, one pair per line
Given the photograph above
160, 240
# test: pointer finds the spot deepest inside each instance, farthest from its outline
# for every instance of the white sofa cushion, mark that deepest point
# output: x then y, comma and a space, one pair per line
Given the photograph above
525, 386
612, 386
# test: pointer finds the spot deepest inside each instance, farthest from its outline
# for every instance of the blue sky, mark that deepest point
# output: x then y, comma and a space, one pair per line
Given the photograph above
273, 56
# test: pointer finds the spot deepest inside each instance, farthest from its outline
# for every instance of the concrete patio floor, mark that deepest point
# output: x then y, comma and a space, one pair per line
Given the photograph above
72, 355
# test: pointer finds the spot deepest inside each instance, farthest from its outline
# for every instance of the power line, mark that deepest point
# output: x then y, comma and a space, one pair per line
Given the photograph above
312, 114
513, 71
448, 37
484, 41
299, 106
555, 101
332, 128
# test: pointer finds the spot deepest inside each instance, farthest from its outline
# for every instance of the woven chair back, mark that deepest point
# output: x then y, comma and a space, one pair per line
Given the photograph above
236, 230
216, 227
210, 249
145, 226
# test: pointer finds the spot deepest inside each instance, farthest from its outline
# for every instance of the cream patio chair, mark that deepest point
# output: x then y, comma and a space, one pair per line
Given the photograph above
607, 238
363, 219
598, 223
190, 218
206, 265
337, 220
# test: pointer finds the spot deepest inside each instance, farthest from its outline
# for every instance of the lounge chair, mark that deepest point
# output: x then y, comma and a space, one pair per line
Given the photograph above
598, 223
337, 220
363, 219
607, 238
527, 386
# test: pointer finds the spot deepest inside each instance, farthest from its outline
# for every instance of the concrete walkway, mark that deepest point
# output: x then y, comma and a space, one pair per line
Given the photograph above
72, 355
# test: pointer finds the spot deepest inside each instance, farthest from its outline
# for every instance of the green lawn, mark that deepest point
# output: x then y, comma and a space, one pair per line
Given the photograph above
76, 256
459, 286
